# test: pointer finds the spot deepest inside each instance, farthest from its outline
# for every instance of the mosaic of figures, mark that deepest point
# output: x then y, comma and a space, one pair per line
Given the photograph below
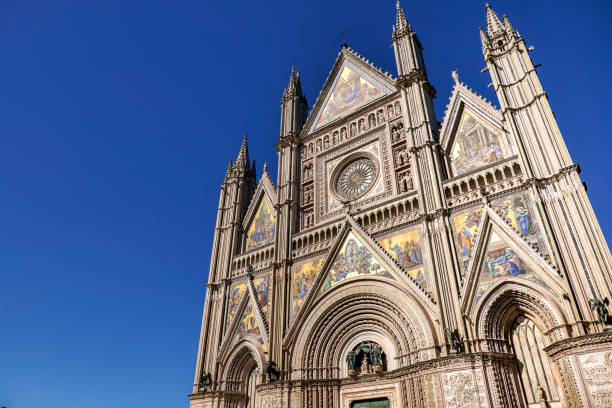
353, 260
236, 294
475, 146
303, 278
332, 202
261, 289
351, 91
248, 325
405, 248
262, 228
516, 209
501, 261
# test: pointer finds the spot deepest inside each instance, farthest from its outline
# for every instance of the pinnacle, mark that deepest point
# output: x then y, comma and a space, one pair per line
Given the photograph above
401, 23
242, 160
455, 75
494, 24
295, 85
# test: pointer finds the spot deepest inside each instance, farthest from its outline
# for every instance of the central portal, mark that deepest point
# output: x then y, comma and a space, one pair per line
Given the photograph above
372, 403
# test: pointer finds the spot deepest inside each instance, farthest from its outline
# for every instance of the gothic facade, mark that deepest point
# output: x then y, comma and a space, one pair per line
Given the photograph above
400, 261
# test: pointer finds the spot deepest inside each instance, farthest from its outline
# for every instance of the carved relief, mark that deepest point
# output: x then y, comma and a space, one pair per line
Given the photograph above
307, 196
597, 371
464, 389
404, 181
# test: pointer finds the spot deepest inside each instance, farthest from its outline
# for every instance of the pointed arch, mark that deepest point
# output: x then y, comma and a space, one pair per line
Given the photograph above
239, 363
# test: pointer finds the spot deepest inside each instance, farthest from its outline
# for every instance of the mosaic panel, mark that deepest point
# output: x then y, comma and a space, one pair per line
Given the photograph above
516, 209
353, 260
248, 325
350, 92
405, 248
501, 261
475, 146
261, 289
236, 295
261, 231
303, 279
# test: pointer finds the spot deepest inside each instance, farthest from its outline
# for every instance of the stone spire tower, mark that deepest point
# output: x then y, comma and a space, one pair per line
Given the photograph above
556, 184
294, 108
236, 192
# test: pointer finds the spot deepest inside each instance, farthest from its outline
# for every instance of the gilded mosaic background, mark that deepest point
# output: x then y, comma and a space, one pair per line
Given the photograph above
475, 146
353, 260
303, 279
350, 92
261, 231
406, 249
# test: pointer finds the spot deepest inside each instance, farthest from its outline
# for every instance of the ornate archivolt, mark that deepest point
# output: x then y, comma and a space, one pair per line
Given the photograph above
348, 313
507, 300
239, 363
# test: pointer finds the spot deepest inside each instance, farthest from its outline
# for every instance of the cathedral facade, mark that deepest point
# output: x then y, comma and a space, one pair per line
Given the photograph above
399, 261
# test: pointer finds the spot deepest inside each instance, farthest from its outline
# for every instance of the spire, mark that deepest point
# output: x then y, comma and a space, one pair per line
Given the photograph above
229, 168
242, 160
401, 24
494, 25
295, 85
483, 38
507, 24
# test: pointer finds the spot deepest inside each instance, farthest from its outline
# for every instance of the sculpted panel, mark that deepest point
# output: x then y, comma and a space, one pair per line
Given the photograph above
464, 389
597, 371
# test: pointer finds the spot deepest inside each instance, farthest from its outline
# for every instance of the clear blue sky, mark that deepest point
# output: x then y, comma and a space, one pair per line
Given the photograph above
117, 119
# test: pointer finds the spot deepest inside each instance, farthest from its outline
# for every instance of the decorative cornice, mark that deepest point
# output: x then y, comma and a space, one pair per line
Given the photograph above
576, 345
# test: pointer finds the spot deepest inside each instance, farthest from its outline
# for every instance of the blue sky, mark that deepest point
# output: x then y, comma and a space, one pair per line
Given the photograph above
117, 119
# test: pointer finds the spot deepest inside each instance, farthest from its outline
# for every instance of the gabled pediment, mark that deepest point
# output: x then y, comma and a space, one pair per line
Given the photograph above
260, 219
252, 323
352, 84
472, 134
501, 255
353, 256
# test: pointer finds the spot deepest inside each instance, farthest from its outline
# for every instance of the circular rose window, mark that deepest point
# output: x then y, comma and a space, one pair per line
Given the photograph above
355, 178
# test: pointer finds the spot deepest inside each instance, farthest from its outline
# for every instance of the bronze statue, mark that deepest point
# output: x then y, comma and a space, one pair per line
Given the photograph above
249, 271
375, 355
602, 310
273, 373
205, 382
453, 339
350, 360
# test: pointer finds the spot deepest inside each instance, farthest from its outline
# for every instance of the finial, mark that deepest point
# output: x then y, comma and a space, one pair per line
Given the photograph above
265, 168
455, 76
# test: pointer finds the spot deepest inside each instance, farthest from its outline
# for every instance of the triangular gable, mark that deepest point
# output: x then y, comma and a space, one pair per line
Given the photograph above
502, 255
353, 260
251, 324
264, 192
388, 269
262, 226
472, 133
352, 84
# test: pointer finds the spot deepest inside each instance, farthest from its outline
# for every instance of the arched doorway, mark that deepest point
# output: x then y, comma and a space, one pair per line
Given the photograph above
533, 365
250, 393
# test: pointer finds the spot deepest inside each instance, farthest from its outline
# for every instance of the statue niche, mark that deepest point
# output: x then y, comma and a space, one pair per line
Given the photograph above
366, 358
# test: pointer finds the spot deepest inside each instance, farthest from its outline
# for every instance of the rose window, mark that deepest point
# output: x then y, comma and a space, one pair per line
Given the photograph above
356, 178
